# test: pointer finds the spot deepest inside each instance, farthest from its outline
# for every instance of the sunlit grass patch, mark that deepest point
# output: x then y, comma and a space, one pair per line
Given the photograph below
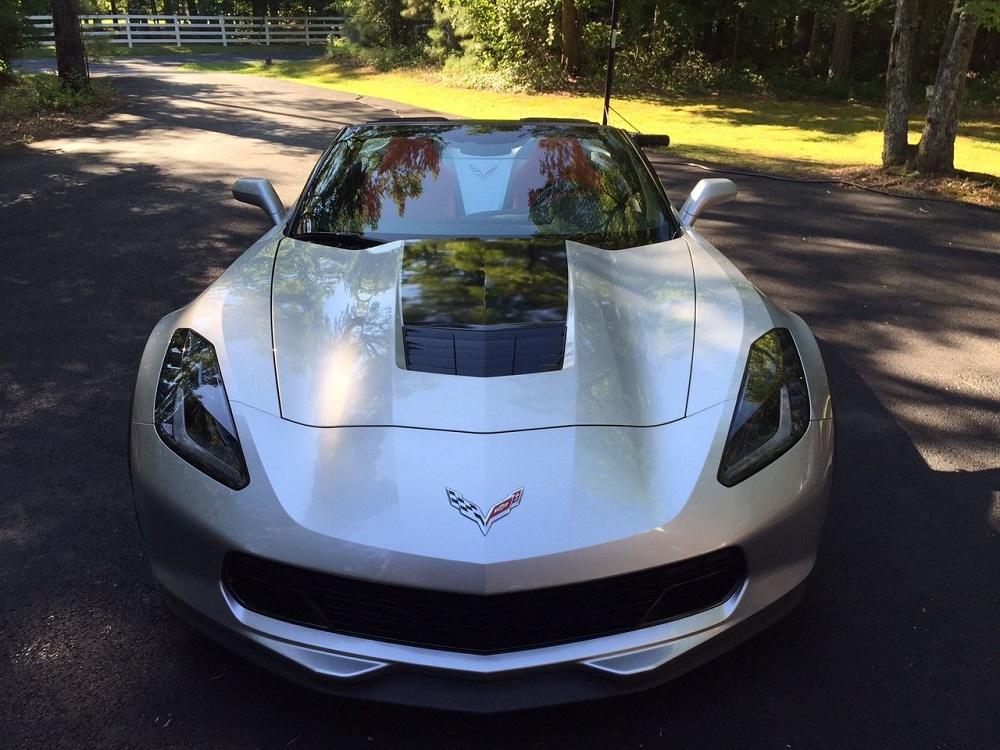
235, 66
732, 129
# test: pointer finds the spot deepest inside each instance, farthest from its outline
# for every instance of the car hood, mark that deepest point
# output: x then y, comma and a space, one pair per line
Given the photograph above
339, 317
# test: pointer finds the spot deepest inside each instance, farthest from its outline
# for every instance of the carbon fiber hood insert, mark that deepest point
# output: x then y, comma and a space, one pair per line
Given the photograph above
484, 308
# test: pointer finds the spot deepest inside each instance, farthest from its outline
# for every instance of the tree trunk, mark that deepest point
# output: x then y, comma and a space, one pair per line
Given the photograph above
71, 64
571, 23
814, 41
840, 56
736, 38
936, 151
895, 143
394, 20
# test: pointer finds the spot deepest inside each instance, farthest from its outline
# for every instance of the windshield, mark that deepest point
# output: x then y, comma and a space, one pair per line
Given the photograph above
421, 180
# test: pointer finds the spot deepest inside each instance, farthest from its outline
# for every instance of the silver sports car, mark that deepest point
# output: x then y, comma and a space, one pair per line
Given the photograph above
482, 422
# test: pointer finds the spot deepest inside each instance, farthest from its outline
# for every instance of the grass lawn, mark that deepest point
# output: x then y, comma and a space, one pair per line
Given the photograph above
763, 133
799, 138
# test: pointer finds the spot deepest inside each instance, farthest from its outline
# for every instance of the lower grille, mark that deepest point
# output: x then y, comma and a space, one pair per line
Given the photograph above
484, 624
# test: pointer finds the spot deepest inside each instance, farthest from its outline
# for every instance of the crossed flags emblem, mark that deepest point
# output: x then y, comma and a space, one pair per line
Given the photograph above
474, 513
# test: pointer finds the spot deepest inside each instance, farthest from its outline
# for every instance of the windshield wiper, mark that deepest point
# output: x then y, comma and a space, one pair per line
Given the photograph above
346, 240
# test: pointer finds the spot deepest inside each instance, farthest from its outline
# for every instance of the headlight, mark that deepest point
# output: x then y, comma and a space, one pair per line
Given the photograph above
772, 410
192, 413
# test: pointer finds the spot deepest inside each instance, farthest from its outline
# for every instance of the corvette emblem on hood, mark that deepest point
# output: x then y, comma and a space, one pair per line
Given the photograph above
473, 512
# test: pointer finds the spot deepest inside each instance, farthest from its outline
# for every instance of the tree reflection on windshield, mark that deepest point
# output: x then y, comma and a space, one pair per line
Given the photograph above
354, 183
581, 201
565, 181
402, 172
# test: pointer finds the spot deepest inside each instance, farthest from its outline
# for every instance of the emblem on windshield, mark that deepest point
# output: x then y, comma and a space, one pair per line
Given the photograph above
480, 173
474, 513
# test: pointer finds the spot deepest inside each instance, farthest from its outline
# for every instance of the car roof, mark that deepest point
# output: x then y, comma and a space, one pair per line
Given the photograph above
462, 121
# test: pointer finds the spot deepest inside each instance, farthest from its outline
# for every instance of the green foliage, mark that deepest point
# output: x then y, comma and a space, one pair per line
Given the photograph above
987, 12
381, 23
775, 47
468, 70
984, 92
451, 30
693, 73
342, 51
100, 48
368, 21
510, 32
518, 38
30, 93
658, 62
353, 55
794, 86
13, 34
492, 44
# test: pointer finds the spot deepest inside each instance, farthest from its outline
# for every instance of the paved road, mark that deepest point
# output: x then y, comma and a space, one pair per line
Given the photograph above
895, 645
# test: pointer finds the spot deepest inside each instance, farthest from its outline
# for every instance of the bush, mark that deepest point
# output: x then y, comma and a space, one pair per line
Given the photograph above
694, 74
541, 74
795, 86
512, 33
386, 23
984, 92
368, 22
450, 32
30, 93
346, 53
651, 64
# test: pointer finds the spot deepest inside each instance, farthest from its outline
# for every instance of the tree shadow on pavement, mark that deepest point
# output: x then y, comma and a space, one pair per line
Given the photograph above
208, 102
93, 254
899, 614
893, 646
904, 289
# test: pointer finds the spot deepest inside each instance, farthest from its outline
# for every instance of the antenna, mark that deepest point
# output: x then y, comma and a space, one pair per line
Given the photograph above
611, 60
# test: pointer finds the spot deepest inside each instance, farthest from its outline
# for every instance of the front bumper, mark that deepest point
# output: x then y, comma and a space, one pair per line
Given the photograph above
191, 522
335, 673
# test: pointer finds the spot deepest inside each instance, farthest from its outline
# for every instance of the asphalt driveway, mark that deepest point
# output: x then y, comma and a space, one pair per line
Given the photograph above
896, 644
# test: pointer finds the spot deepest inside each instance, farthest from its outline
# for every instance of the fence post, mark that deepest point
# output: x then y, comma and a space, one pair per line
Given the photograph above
128, 31
222, 22
307, 31
267, 31
177, 30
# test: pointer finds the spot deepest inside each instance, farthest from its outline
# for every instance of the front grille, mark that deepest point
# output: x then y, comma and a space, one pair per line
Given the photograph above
484, 624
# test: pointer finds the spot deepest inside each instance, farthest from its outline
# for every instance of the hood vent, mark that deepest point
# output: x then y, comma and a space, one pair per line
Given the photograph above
485, 352
484, 308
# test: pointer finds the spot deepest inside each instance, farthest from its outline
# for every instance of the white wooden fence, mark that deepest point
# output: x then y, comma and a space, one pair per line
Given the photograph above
180, 30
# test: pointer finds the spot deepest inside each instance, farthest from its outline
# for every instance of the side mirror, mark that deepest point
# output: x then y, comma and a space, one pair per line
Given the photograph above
706, 193
646, 140
259, 192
